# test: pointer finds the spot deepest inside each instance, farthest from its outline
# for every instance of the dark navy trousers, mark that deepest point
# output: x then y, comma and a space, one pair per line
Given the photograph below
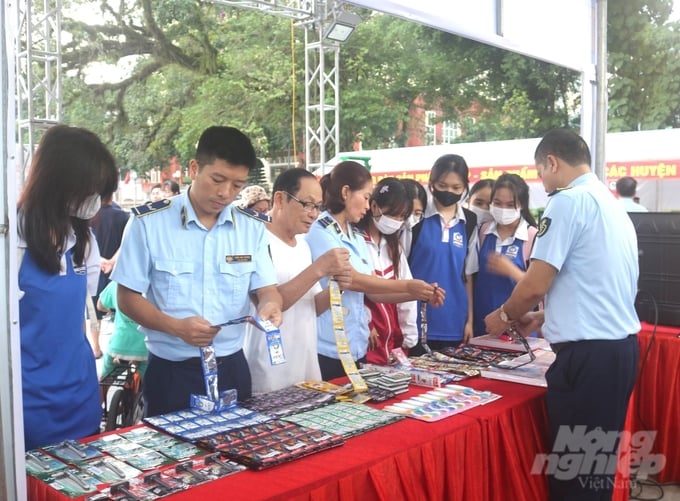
168, 385
589, 386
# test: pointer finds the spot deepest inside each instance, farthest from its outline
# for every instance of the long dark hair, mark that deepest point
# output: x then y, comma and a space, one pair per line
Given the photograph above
348, 173
391, 195
480, 185
69, 165
450, 163
520, 194
415, 190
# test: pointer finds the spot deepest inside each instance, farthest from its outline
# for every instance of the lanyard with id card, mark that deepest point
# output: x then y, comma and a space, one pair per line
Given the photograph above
272, 336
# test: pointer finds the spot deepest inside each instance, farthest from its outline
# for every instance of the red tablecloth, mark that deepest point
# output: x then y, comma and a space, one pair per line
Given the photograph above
655, 403
484, 454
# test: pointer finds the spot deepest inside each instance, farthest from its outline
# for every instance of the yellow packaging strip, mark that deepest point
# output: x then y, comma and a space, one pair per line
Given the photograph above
341, 341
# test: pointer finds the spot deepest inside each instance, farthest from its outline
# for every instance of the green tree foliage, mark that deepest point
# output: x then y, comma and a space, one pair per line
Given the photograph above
195, 64
644, 65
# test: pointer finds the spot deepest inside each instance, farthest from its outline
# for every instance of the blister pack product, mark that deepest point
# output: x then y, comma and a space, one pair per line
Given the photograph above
286, 401
72, 452
271, 443
41, 465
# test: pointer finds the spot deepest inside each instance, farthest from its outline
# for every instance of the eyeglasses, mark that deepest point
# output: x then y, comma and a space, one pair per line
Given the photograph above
516, 364
306, 206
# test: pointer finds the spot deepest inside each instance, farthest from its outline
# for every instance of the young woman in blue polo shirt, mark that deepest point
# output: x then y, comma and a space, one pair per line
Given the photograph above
504, 247
441, 244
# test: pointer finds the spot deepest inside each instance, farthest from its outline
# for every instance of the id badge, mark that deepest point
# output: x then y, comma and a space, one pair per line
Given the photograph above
273, 338
275, 347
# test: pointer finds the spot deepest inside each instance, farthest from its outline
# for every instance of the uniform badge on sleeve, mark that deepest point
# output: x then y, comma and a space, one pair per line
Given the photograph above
543, 226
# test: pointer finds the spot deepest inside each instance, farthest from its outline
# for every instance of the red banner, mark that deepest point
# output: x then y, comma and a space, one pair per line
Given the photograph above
642, 171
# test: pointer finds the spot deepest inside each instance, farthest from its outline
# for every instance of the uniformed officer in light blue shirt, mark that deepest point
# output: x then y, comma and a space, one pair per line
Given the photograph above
346, 192
585, 263
326, 234
191, 263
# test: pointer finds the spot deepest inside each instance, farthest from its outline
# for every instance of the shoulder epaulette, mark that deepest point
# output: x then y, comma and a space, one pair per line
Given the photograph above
559, 190
327, 221
151, 207
254, 214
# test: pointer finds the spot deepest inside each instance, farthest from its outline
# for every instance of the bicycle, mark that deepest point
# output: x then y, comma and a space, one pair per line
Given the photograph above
126, 406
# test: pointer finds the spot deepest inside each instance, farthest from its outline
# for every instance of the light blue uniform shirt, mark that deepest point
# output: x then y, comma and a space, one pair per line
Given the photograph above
187, 270
588, 237
324, 235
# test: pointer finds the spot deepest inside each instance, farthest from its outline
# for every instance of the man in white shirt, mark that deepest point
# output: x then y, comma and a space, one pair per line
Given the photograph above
296, 203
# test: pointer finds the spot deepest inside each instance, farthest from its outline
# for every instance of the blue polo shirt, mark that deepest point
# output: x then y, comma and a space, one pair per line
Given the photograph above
324, 235
586, 234
186, 270
491, 289
443, 254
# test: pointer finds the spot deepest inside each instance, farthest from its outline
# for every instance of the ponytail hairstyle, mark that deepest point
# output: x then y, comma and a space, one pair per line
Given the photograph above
348, 173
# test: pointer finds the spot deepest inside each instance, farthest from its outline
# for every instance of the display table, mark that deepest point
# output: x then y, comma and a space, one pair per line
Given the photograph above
483, 454
655, 403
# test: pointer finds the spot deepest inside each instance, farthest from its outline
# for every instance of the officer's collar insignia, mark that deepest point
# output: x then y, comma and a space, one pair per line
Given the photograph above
543, 226
151, 207
183, 215
558, 190
328, 221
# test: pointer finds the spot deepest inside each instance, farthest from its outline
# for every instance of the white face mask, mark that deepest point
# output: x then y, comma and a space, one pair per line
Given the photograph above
483, 215
504, 216
387, 225
88, 208
412, 221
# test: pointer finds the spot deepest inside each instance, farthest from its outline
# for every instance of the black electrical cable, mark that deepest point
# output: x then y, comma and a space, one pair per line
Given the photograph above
637, 485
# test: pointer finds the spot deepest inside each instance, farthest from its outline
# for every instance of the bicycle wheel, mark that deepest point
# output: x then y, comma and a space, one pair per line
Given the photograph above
114, 416
135, 413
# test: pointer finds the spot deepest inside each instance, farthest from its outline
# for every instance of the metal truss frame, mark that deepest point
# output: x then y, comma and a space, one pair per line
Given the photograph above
38, 66
38, 72
322, 64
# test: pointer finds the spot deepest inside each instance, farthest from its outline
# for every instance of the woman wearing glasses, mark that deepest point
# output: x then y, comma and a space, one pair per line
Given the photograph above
346, 193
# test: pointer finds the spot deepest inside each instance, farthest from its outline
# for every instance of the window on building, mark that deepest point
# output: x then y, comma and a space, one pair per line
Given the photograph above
450, 131
430, 128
